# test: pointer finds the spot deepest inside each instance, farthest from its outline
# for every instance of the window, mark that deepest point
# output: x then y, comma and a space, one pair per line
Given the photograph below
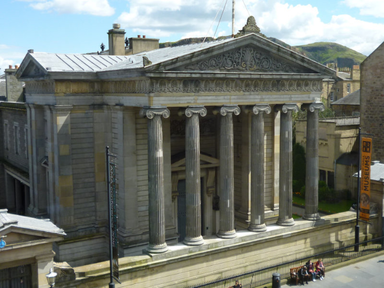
331, 95
6, 135
323, 175
16, 137
348, 88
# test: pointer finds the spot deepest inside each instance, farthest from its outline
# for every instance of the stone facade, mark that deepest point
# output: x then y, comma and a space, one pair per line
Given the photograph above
185, 124
372, 101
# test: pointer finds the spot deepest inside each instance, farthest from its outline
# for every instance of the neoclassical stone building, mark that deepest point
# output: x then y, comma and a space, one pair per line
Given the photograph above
202, 132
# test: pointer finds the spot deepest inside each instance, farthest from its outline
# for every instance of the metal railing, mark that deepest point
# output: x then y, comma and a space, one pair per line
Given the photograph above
330, 257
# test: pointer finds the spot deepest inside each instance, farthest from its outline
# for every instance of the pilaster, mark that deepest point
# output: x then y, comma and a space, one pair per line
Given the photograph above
63, 164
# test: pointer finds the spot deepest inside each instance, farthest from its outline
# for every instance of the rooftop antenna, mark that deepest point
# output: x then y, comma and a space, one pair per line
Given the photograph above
233, 18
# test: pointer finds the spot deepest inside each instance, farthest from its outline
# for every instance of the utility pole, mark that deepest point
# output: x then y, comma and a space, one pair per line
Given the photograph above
233, 18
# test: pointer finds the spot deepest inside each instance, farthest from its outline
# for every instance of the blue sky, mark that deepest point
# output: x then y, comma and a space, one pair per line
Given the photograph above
80, 26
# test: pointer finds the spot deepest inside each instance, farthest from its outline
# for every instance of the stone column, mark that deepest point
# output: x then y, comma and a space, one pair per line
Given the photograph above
312, 161
192, 175
156, 178
227, 208
285, 179
257, 168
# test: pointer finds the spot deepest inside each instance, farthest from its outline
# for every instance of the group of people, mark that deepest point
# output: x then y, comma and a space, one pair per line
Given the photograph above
310, 270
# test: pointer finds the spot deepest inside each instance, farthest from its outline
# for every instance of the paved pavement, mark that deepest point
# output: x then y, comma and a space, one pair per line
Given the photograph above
365, 274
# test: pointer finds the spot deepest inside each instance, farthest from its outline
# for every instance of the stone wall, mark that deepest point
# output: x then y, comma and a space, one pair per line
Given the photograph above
218, 259
14, 88
372, 102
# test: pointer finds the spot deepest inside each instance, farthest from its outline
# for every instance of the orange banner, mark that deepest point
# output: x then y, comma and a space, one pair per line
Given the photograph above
365, 177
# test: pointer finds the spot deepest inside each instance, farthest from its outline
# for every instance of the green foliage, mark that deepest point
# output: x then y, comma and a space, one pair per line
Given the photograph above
299, 166
327, 194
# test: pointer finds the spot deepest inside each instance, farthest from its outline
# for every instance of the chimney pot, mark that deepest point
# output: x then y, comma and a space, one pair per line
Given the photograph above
143, 36
31, 51
16, 66
138, 36
116, 26
10, 66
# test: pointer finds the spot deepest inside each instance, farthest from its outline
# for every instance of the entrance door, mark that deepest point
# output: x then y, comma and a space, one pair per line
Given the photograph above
16, 277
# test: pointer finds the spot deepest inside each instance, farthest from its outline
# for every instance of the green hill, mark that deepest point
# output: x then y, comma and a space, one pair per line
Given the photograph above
327, 52
322, 52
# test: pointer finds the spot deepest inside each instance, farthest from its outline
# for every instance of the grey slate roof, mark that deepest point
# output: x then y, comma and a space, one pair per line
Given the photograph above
96, 63
351, 99
377, 171
165, 54
29, 223
77, 62
344, 121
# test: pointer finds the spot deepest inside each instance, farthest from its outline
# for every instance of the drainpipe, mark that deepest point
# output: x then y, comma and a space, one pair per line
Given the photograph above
334, 174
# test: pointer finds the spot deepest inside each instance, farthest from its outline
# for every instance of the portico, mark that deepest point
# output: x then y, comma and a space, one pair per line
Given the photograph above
203, 134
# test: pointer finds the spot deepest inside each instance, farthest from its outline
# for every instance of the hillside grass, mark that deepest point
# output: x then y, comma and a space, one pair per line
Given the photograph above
326, 52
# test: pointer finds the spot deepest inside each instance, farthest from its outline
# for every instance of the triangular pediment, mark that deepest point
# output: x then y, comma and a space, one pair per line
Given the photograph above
251, 53
31, 69
205, 161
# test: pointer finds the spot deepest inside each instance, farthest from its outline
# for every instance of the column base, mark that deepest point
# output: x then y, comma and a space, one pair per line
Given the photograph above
227, 234
193, 241
285, 222
156, 249
311, 216
257, 227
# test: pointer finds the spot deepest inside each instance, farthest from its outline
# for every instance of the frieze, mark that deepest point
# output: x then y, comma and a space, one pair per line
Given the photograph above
234, 85
40, 87
245, 59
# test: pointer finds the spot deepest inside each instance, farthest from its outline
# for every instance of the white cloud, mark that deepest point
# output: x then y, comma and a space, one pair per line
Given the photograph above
9, 56
367, 7
93, 7
293, 24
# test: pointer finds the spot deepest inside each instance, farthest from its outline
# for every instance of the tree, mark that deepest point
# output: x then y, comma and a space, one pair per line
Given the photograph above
299, 166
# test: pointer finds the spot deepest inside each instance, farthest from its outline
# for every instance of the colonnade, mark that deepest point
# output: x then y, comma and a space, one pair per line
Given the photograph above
226, 230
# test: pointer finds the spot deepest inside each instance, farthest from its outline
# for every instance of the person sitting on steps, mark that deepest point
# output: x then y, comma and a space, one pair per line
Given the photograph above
320, 268
303, 275
311, 270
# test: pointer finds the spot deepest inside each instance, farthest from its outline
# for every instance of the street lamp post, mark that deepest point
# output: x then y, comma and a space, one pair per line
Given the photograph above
51, 278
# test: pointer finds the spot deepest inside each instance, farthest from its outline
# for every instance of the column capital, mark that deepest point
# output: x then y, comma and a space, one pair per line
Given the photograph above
258, 108
312, 107
285, 108
225, 109
190, 110
151, 112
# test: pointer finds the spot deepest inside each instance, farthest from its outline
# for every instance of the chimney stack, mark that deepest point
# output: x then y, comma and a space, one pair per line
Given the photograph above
116, 40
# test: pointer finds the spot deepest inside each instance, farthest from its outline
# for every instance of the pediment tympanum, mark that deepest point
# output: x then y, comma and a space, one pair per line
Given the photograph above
205, 162
32, 69
246, 59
